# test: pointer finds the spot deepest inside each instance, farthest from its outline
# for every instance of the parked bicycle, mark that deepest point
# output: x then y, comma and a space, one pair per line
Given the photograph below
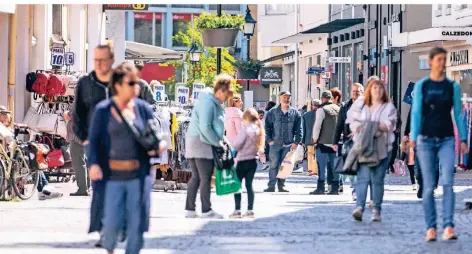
15, 171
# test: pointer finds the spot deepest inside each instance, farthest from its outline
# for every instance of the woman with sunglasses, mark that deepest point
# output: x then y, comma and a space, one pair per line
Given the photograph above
233, 117
432, 132
120, 164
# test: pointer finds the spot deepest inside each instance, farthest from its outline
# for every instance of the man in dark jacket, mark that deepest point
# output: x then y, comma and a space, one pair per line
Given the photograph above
283, 126
145, 89
342, 129
308, 122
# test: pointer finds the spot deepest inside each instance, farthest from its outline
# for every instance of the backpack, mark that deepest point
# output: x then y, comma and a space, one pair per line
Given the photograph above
30, 79
40, 83
55, 86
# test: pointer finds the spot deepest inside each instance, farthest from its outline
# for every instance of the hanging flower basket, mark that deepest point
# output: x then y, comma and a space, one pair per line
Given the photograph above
247, 73
219, 31
220, 37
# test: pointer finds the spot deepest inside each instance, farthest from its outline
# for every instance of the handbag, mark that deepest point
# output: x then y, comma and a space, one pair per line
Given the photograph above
148, 138
55, 157
339, 165
227, 182
223, 156
61, 128
286, 168
32, 117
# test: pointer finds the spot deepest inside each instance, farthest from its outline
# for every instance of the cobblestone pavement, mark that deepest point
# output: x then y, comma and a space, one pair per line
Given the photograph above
286, 223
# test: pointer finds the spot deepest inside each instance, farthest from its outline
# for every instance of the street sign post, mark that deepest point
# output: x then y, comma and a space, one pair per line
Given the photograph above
326, 75
182, 95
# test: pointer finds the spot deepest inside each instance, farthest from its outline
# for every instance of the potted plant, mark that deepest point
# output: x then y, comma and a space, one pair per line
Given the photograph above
219, 31
248, 69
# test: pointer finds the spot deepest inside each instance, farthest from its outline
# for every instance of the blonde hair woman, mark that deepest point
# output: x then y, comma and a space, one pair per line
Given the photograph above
233, 117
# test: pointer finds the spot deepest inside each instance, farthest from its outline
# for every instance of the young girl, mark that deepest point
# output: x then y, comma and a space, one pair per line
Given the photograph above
249, 143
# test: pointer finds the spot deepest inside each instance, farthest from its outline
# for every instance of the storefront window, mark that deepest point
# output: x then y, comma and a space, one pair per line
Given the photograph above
359, 66
143, 27
180, 24
158, 29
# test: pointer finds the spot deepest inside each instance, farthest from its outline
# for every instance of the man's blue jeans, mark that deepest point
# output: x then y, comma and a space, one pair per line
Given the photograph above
326, 162
277, 154
122, 205
375, 177
43, 181
430, 151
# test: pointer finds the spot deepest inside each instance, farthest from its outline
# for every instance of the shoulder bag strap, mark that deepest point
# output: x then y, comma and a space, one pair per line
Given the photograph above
129, 127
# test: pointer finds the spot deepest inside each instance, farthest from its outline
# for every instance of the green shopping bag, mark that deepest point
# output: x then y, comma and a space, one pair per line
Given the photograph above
227, 182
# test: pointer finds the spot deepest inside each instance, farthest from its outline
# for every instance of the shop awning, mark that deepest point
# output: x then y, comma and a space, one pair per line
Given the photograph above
432, 35
281, 56
330, 27
145, 52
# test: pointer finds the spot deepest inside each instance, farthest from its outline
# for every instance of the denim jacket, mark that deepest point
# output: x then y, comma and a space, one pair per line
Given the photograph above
283, 129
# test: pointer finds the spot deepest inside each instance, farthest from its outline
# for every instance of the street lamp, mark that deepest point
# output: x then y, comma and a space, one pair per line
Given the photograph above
249, 28
194, 55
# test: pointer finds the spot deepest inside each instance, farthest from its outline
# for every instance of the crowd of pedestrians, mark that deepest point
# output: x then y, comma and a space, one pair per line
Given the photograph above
112, 142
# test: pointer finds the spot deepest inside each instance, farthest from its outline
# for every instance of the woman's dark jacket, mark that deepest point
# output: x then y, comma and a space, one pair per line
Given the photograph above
98, 153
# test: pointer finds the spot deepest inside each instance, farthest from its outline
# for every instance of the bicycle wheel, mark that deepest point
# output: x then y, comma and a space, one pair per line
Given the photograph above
24, 179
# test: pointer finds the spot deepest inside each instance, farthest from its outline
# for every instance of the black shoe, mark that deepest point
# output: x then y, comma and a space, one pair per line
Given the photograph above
269, 190
419, 194
341, 189
283, 190
80, 194
332, 193
317, 192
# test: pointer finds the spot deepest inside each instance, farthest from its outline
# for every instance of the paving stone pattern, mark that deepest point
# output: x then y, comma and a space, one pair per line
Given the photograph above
286, 223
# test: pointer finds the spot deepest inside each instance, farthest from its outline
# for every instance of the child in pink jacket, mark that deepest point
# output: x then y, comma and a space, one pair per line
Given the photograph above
233, 117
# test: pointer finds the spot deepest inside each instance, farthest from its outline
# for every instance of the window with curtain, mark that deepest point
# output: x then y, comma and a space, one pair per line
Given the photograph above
278, 9
143, 27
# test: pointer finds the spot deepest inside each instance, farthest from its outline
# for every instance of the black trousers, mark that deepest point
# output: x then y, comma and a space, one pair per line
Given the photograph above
246, 170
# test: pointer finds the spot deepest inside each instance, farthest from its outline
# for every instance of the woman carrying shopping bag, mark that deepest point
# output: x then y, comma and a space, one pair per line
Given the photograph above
432, 133
372, 119
249, 144
206, 129
121, 141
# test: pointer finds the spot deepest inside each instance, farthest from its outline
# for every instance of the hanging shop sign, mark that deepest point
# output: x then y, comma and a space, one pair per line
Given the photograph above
57, 56
182, 95
339, 59
384, 74
271, 75
196, 90
126, 7
160, 92
459, 57
326, 75
69, 58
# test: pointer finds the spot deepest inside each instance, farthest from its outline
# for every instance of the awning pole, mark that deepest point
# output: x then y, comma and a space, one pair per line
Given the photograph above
12, 65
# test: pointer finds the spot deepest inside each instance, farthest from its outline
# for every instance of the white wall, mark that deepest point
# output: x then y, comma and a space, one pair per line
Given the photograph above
4, 25
77, 35
22, 62
115, 31
457, 17
274, 27
96, 31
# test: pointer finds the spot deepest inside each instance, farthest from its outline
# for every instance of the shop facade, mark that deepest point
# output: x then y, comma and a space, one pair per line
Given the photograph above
459, 67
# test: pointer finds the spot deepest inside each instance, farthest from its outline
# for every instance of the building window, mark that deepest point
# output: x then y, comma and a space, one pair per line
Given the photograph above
57, 19
143, 27
318, 59
464, 6
279, 9
158, 5
180, 24
198, 6
226, 7
158, 29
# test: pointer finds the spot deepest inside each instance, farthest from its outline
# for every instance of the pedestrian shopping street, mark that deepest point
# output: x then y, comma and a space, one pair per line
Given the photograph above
285, 223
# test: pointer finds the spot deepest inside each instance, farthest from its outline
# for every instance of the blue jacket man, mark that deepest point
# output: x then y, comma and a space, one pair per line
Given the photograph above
283, 126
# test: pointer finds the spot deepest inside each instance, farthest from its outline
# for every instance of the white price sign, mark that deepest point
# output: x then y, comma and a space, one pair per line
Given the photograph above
339, 59
57, 56
69, 58
196, 90
160, 92
182, 95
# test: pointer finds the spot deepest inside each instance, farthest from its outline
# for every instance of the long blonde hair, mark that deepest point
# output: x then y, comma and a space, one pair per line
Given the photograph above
252, 116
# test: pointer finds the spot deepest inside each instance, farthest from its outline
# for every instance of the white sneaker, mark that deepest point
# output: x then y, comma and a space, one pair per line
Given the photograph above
49, 193
191, 214
212, 215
